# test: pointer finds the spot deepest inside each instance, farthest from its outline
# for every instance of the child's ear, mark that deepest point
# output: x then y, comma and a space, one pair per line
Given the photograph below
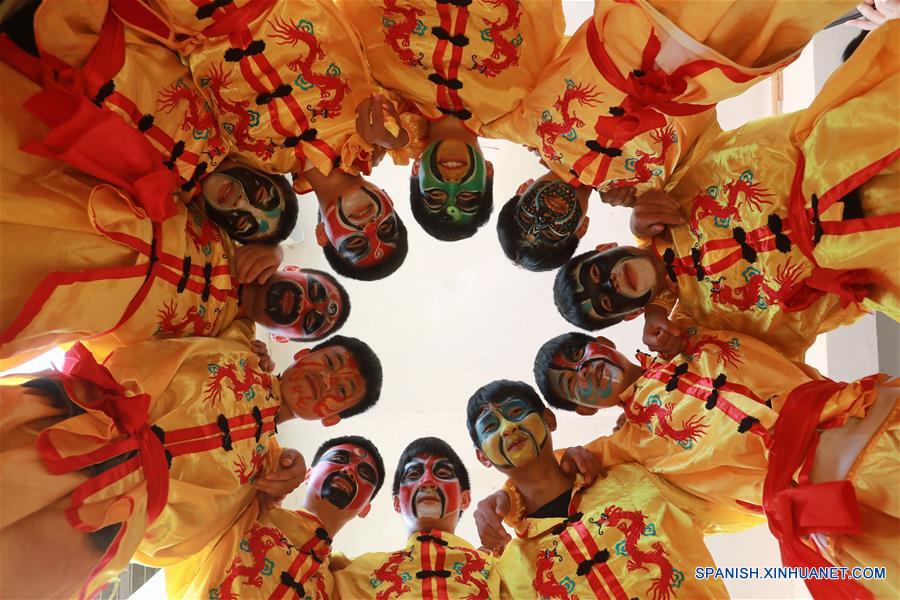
490, 170
606, 341
582, 227
415, 167
549, 419
332, 420
362, 514
465, 499
397, 504
321, 236
586, 411
524, 186
633, 315
482, 458
606, 246
302, 353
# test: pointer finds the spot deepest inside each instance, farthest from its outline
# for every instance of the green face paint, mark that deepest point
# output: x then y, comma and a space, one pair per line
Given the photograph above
452, 178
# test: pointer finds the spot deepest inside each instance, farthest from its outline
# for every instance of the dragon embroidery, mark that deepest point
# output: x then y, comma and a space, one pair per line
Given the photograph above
387, 573
545, 582
239, 387
470, 574
643, 166
491, 67
332, 88
260, 540
706, 205
726, 353
549, 130
248, 473
632, 524
168, 326
217, 81
398, 35
208, 233
744, 297
691, 430
199, 117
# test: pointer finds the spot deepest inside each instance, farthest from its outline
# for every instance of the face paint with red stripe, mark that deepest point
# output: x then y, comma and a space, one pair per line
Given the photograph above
346, 476
362, 226
590, 374
302, 305
429, 488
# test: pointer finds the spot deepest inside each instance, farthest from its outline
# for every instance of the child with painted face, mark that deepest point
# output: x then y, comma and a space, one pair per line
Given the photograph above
431, 490
568, 532
155, 451
281, 553
420, 50
730, 420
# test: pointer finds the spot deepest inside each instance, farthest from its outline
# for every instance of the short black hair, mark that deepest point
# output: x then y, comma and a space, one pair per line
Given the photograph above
345, 301
494, 393
369, 368
379, 271
445, 230
356, 440
853, 45
436, 447
529, 256
564, 296
544, 358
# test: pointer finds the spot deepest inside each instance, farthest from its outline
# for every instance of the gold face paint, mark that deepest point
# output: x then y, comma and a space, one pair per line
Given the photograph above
512, 434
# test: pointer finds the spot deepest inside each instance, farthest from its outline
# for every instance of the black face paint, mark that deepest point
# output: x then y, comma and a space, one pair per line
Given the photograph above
283, 300
260, 191
596, 292
548, 213
237, 224
354, 247
336, 495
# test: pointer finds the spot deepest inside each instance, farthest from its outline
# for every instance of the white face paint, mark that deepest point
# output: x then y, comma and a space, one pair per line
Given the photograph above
634, 277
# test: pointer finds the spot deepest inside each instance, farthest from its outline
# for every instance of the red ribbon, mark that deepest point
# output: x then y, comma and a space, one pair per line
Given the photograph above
824, 507
129, 413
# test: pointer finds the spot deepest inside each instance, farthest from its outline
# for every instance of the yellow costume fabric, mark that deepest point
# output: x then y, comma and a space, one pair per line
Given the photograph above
283, 77
282, 554
705, 420
474, 61
784, 262
628, 535
176, 428
631, 90
78, 261
434, 564
152, 90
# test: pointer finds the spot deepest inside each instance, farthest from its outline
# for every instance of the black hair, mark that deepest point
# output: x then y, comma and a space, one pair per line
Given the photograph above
853, 45
494, 393
564, 296
369, 368
533, 257
435, 447
564, 342
445, 230
356, 440
379, 271
345, 302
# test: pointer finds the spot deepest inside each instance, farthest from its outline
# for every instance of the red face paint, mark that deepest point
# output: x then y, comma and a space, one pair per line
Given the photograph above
429, 488
362, 226
345, 476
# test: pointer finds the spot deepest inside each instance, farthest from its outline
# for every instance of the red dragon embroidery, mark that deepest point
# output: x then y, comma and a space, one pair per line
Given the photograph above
388, 573
397, 35
218, 81
470, 574
705, 205
191, 325
744, 297
490, 67
691, 430
251, 573
207, 234
321, 590
632, 524
238, 386
643, 170
331, 87
248, 473
726, 353
550, 130
197, 118
545, 582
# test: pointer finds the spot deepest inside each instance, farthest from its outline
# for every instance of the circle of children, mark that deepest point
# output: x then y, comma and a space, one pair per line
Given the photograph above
146, 152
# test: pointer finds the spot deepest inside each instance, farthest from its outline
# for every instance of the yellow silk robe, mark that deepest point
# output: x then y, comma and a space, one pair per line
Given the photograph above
78, 261
434, 564
628, 535
282, 554
632, 89
284, 78
136, 78
209, 430
474, 61
783, 261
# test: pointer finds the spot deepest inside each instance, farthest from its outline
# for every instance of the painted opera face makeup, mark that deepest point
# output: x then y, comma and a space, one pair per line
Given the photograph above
322, 383
452, 177
590, 375
548, 213
615, 282
244, 202
429, 489
345, 476
512, 433
302, 305
362, 226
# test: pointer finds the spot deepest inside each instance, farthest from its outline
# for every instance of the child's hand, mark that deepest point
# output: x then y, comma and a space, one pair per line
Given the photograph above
370, 123
262, 351
875, 13
274, 487
660, 334
581, 460
257, 262
489, 521
626, 196
653, 212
